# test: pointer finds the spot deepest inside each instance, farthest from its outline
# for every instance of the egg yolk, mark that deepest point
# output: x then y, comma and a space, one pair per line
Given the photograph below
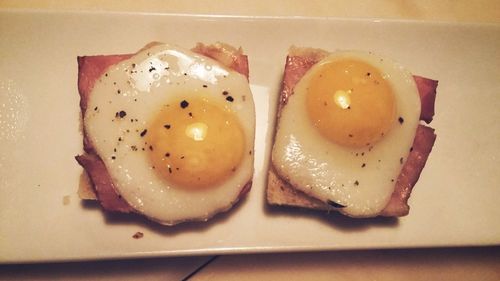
350, 103
195, 143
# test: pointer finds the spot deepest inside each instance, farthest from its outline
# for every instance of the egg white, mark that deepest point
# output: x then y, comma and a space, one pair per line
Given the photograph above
333, 173
152, 78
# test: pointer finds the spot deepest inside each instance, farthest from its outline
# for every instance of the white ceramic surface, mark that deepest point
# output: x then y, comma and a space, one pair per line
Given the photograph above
454, 202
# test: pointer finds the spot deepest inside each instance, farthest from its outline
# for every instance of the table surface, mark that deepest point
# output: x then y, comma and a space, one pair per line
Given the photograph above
482, 263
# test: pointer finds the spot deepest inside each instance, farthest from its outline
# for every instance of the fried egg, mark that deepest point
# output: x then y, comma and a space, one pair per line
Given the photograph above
175, 131
347, 130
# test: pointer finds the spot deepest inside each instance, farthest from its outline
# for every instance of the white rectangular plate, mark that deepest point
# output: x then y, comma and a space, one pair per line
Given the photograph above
454, 203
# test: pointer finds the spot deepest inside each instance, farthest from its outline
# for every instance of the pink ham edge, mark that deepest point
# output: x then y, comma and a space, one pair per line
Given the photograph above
427, 90
297, 66
103, 185
421, 149
90, 68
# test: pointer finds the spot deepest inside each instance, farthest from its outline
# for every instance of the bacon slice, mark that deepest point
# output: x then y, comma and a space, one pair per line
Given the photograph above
90, 68
296, 66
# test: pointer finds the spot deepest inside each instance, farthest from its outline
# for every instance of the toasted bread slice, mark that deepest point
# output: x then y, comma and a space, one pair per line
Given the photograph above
95, 181
280, 192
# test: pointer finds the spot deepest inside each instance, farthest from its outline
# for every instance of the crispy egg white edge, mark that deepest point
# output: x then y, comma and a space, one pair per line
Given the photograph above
149, 194
318, 167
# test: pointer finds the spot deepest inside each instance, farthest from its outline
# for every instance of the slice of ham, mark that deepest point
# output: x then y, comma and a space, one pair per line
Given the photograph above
103, 185
90, 68
422, 146
427, 90
296, 67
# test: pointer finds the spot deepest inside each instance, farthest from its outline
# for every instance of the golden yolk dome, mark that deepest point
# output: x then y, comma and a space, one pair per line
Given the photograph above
197, 144
350, 103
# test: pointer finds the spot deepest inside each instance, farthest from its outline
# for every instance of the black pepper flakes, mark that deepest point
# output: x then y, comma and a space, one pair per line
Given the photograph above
363, 165
205, 86
335, 204
118, 91
401, 160
167, 154
113, 157
184, 104
229, 98
190, 114
350, 135
411, 149
121, 114
133, 147
167, 126
169, 169
356, 183
143, 133
368, 74
400, 120
152, 68
96, 108
151, 147
225, 93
